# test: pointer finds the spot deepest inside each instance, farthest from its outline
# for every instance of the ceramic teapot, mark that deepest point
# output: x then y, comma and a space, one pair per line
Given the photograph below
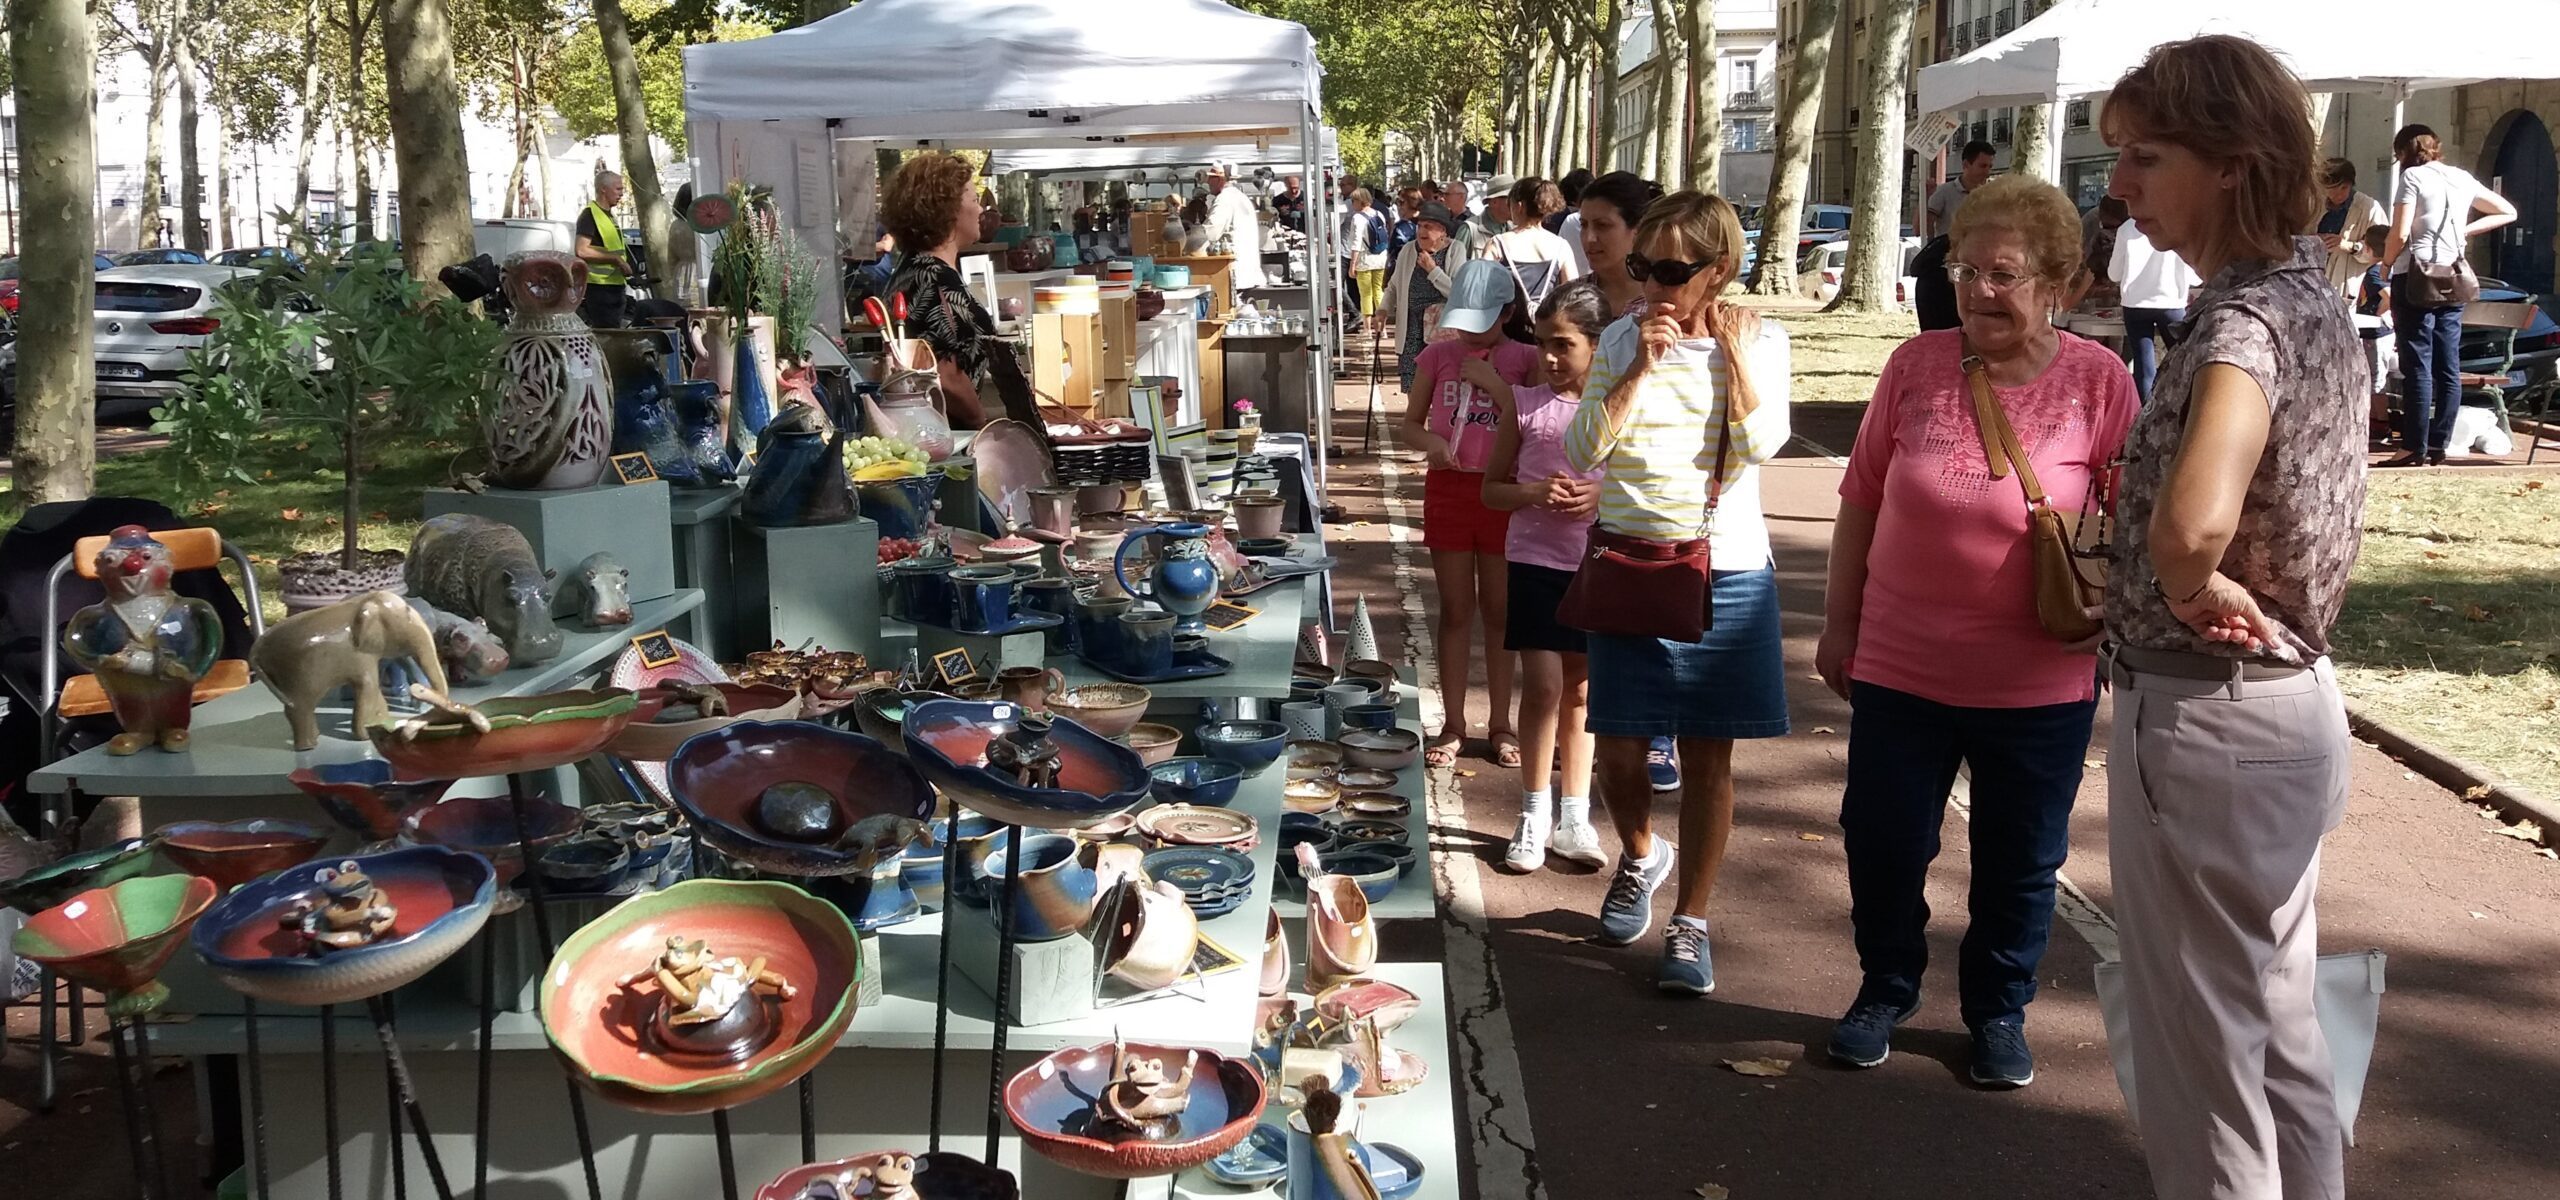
1184, 581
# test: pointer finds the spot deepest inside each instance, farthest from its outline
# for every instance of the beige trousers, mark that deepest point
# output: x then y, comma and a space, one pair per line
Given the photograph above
2218, 795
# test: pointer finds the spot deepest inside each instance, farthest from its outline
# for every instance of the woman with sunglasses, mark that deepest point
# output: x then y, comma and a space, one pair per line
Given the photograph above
1694, 381
2238, 519
1931, 579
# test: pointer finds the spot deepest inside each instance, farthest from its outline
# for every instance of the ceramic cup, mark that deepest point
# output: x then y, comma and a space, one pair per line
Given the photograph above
1258, 516
1369, 716
1146, 642
1056, 596
982, 598
924, 590
1301, 689
1339, 697
1306, 720
1098, 627
1053, 510
1030, 686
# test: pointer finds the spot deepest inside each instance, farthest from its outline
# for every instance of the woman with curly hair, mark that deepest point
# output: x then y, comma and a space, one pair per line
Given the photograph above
932, 211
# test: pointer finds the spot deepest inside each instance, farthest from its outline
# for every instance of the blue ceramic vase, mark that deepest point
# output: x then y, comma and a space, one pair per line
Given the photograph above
750, 405
1185, 579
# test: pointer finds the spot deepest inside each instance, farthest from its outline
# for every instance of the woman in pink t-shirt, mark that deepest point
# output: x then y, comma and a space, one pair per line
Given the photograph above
1931, 633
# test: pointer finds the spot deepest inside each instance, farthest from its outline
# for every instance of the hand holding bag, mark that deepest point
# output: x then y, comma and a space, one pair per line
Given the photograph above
2067, 585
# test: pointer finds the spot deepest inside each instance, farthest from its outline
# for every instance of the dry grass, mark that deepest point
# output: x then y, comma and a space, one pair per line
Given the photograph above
1836, 355
2452, 628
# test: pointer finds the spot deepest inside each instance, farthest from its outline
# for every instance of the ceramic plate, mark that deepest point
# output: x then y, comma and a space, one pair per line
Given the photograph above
1011, 461
1260, 1158
1199, 870
1189, 825
1394, 1169
691, 666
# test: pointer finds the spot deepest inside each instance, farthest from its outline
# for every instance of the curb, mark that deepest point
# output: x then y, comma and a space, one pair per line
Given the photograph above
2511, 801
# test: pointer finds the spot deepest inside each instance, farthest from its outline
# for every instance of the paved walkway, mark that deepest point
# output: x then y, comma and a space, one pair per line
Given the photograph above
1588, 1083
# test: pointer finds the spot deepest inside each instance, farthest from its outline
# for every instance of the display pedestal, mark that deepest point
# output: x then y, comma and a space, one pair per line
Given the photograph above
1052, 980
807, 585
629, 521
702, 536
991, 654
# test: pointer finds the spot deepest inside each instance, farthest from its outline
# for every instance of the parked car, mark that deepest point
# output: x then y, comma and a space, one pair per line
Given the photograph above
9, 278
147, 319
1820, 267
1823, 223
515, 235
160, 256
252, 256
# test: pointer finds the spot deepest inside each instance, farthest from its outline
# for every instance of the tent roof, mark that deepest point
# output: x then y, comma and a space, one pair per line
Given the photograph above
1282, 155
2082, 47
937, 69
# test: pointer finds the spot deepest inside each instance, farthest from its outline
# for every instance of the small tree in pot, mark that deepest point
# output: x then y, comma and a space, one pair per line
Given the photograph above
343, 347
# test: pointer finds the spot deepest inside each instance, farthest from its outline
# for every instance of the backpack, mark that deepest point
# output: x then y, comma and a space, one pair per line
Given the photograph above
1535, 280
1377, 235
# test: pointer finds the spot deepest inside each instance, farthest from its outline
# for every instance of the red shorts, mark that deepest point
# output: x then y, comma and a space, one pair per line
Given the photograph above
1455, 516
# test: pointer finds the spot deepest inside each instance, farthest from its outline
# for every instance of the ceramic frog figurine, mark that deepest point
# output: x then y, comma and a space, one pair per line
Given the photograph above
1142, 1095
147, 645
702, 987
355, 914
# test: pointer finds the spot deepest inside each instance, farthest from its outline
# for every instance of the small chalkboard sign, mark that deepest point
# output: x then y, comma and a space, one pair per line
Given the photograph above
656, 649
634, 467
955, 667
1225, 615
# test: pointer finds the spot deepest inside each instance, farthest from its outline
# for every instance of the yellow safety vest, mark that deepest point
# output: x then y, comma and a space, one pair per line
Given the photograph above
608, 237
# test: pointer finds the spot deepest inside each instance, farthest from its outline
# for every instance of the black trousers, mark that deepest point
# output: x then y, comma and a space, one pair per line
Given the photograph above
605, 307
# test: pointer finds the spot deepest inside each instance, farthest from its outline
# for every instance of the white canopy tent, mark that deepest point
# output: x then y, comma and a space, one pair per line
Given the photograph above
2080, 48
1283, 157
996, 73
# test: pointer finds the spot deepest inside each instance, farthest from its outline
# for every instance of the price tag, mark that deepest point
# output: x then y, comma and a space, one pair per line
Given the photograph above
1225, 615
656, 649
955, 667
634, 467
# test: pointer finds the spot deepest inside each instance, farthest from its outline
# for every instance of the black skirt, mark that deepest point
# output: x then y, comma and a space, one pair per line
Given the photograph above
1536, 593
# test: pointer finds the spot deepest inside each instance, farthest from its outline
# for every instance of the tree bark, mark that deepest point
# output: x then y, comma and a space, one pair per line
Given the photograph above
190, 158
1604, 122
54, 52
541, 152
312, 107
1799, 104
1671, 93
426, 137
2031, 153
1875, 222
360, 15
1706, 98
631, 118
814, 11
1559, 108
154, 149
226, 219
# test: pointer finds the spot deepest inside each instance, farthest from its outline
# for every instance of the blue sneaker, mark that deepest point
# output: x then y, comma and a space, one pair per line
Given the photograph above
1662, 761
2000, 1055
1628, 911
1688, 967
1864, 1038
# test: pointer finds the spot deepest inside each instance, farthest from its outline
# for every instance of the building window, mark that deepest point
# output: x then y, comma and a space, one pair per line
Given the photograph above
2006, 21
1746, 76
2077, 114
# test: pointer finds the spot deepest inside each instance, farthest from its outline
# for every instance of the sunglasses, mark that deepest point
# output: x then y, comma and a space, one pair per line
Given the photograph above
1669, 272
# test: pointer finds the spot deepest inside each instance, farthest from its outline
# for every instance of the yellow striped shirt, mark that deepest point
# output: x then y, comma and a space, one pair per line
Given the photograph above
1655, 482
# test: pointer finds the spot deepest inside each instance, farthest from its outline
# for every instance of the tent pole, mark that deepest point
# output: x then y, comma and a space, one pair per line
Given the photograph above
2399, 121
1320, 369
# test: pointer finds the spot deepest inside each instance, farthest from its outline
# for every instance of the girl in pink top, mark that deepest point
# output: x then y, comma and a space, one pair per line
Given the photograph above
1551, 507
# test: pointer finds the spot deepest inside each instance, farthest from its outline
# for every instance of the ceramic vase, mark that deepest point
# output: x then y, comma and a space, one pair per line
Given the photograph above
750, 398
1342, 939
1184, 581
552, 425
642, 364
719, 360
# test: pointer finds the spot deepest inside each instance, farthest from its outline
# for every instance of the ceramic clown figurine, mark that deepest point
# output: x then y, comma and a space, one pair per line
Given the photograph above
147, 645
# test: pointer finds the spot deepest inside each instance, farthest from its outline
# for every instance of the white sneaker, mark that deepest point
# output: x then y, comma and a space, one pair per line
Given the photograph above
1575, 839
1528, 846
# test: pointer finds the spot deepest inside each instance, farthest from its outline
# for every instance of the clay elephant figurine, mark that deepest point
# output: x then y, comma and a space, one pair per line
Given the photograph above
310, 654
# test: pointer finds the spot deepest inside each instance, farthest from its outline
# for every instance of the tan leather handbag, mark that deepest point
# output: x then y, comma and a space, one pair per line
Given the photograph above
2068, 582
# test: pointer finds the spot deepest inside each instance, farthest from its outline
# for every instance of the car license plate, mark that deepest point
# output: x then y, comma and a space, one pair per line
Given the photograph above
108, 370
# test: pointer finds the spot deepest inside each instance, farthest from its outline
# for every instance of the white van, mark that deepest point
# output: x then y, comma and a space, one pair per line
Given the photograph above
501, 238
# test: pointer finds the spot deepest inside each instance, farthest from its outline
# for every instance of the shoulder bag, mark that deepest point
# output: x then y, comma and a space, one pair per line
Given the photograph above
2443, 285
2067, 583
1630, 586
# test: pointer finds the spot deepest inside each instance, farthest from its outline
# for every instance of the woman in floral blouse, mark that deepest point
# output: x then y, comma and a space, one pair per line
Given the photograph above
931, 210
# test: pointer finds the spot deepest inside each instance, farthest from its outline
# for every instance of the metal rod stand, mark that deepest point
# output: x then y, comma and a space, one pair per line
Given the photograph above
47, 1022
728, 1154
329, 1094
518, 792
257, 1102
942, 970
391, 1108
488, 1020
809, 1117
142, 1097
138, 1140
406, 1098
1004, 989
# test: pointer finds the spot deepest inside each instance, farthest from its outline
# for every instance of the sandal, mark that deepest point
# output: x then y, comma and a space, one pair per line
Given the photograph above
1443, 750
1506, 749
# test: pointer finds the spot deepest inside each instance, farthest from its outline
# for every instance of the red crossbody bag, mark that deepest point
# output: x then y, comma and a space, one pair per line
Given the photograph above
1630, 586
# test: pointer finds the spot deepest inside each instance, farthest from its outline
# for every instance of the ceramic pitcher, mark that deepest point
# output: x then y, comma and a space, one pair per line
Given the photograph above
1185, 579
1030, 686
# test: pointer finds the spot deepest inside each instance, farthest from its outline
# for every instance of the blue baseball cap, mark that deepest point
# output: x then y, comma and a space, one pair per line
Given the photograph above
1478, 293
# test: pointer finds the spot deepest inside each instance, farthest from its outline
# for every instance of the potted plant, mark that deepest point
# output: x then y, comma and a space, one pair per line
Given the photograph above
745, 289
789, 276
342, 347
1248, 426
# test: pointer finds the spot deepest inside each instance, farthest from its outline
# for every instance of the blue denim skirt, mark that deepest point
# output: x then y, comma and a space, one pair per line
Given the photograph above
1729, 684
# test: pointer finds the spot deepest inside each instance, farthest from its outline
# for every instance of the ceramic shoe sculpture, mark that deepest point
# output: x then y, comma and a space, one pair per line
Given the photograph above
552, 428
147, 645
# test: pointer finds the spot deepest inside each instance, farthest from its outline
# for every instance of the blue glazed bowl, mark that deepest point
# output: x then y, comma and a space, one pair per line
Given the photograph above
585, 866
1375, 873
1252, 745
1097, 778
718, 777
443, 898
1054, 895
1207, 782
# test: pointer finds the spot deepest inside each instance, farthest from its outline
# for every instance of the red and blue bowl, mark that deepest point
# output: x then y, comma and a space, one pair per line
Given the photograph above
442, 896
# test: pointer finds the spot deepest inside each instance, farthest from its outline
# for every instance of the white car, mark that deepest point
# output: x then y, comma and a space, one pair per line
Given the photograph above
144, 322
1819, 268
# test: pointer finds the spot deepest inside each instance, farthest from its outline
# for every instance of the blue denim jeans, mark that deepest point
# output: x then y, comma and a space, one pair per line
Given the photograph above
1903, 755
2430, 372
2141, 325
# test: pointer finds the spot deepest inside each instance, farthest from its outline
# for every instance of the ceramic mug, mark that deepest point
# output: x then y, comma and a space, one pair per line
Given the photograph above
1339, 697
1305, 719
1146, 642
924, 590
1369, 716
982, 598
1053, 510
1098, 627
1030, 687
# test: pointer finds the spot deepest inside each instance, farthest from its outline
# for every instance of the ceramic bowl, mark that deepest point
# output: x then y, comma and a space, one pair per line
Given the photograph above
1365, 779
585, 866
1312, 756
1383, 672
486, 826
1109, 709
1052, 1103
1317, 796
70, 875
1207, 782
1154, 743
1375, 873
1097, 777
1259, 1160
882, 713
1266, 547
1252, 745
1376, 806
1381, 749
1369, 716
1292, 837
720, 780
1338, 1006
1190, 825
1307, 668
117, 937
526, 733
1152, 938
934, 1176
1109, 829
651, 739
368, 795
1056, 892
231, 853
1365, 833
596, 1026
443, 897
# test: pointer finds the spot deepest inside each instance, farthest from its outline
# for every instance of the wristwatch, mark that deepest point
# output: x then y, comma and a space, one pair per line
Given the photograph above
2163, 593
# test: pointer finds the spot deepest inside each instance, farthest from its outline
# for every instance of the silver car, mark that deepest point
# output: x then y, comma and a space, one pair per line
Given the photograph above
145, 321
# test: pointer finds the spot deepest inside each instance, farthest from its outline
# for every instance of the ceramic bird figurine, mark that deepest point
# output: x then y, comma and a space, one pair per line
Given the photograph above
147, 645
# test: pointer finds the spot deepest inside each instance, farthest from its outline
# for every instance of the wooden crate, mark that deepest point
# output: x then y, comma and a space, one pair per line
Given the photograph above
1213, 271
1067, 359
1119, 338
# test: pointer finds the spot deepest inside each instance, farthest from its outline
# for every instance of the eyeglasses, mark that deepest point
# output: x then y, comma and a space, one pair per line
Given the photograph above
1669, 272
1963, 275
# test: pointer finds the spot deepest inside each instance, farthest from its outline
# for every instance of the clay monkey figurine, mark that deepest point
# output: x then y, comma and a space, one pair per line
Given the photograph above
887, 1177
1141, 1094
704, 987
147, 645
356, 913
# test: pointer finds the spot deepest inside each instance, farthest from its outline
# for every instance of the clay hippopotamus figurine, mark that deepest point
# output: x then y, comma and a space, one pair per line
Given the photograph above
475, 567
470, 653
147, 645
597, 593
310, 654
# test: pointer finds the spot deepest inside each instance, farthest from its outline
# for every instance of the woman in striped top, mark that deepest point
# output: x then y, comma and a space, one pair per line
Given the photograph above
1666, 389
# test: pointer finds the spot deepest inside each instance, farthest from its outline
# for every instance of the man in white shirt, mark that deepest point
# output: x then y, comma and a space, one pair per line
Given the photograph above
2345, 216
2155, 284
1232, 219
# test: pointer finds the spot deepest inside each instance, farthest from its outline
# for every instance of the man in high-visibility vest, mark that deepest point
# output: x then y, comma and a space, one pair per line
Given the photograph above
600, 245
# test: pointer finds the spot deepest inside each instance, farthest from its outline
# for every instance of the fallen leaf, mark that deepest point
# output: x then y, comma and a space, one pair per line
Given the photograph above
2522, 831
1709, 1191
2435, 554
2475, 612
1464, 773
2408, 774
302, 445
1808, 837
2477, 915
380, 516
1824, 729
2512, 645
290, 514
2478, 791
2093, 763
1759, 1068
